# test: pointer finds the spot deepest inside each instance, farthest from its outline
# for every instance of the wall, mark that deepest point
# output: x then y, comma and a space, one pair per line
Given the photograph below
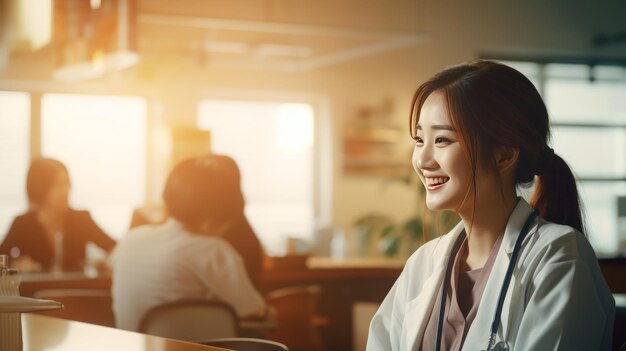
457, 31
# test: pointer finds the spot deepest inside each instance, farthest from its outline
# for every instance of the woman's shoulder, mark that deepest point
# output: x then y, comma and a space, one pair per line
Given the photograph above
78, 214
441, 242
558, 242
22, 225
553, 232
25, 221
212, 243
194, 241
210, 251
25, 217
429, 251
556, 251
78, 219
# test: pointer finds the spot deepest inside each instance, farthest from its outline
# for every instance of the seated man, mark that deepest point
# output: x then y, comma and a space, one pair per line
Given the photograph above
186, 257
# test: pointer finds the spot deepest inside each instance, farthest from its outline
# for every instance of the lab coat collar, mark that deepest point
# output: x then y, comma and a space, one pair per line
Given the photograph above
514, 226
422, 304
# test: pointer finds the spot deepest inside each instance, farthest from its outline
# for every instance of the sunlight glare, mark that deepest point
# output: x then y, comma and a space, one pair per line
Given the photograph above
294, 126
102, 141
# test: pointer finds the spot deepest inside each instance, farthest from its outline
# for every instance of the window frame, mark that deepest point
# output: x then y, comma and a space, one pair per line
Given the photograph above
540, 78
322, 149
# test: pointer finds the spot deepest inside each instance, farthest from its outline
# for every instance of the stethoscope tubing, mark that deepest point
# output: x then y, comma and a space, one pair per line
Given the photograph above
446, 281
503, 290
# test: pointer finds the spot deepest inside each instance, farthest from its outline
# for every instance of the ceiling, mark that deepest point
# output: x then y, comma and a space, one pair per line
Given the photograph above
284, 35
267, 35
268, 45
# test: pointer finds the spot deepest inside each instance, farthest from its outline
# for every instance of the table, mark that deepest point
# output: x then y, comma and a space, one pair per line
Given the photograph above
51, 334
343, 283
32, 282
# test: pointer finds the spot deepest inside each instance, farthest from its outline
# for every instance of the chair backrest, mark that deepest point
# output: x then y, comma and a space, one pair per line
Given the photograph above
83, 305
296, 309
191, 320
619, 327
246, 344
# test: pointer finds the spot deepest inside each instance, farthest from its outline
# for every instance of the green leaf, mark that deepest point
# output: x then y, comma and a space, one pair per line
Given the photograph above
390, 246
444, 221
388, 230
414, 228
372, 220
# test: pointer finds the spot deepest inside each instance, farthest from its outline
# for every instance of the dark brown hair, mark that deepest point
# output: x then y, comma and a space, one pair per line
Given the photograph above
203, 188
491, 105
42, 174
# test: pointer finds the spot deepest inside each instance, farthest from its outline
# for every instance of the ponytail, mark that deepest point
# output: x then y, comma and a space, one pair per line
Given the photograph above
555, 195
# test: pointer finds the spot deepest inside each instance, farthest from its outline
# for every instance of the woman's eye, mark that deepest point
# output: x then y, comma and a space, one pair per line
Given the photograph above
440, 140
419, 141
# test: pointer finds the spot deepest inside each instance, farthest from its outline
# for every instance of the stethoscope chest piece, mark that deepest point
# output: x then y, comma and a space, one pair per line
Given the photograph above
501, 346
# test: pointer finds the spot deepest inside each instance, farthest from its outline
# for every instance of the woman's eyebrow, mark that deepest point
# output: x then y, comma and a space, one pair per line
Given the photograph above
443, 127
438, 127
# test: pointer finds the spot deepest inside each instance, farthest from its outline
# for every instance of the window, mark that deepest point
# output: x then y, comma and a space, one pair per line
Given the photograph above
14, 153
102, 141
273, 145
587, 107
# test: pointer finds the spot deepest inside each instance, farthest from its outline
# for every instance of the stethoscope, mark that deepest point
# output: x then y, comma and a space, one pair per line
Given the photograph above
491, 346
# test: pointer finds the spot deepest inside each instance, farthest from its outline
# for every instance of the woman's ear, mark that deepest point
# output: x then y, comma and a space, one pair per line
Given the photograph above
506, 158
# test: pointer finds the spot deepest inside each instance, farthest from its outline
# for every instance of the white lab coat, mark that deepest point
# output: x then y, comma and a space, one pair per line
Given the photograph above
557, 299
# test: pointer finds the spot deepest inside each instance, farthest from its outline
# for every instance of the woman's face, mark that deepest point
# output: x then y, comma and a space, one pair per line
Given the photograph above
439, 160
58, 197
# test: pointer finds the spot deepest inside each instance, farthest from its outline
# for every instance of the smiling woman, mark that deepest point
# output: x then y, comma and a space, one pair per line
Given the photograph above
481, 130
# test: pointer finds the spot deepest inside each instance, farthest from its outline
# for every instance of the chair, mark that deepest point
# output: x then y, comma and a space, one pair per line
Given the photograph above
619, 329
83, 305
297, 323
246, 344
191, 320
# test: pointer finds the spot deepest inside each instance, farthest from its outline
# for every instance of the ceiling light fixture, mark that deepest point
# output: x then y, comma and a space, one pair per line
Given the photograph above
81, 63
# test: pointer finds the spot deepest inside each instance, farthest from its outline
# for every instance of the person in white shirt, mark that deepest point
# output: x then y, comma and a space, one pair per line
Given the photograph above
185, 257
481, 130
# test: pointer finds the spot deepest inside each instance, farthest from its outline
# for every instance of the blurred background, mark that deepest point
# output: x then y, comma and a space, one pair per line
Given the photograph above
311, 98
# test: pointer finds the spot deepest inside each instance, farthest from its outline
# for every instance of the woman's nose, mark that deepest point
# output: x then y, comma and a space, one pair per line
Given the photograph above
423, 158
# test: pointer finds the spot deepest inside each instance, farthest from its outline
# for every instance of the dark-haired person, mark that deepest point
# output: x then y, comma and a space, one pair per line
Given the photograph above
187, 257
239, 234
50, 223
481, 130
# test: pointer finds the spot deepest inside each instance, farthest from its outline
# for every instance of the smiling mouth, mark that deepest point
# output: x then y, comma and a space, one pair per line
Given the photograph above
435, 182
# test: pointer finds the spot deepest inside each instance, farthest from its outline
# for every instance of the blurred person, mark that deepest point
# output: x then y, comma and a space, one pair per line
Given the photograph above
239, 234
51, 235
190, 256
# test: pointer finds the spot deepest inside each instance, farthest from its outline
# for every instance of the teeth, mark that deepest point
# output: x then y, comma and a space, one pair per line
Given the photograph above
436, 180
